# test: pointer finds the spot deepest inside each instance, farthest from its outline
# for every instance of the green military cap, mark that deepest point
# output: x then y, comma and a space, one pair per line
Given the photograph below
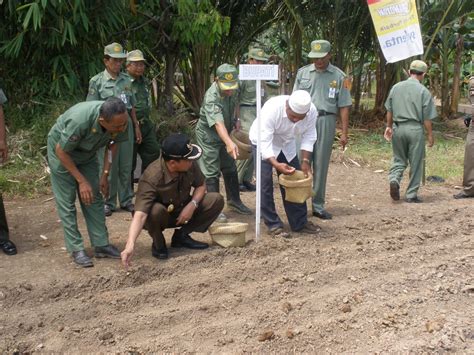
115, 50
257, 54
135, 56
319, 49
228, 77
419, 66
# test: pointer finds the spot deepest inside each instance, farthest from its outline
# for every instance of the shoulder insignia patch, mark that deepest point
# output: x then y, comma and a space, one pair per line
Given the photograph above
217, 109
91, 91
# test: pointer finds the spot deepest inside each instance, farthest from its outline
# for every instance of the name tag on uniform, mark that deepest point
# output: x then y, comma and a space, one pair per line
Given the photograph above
332, 93
123, 97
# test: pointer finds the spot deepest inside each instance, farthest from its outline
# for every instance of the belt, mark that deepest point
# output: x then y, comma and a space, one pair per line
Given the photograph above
324, 113
248, 105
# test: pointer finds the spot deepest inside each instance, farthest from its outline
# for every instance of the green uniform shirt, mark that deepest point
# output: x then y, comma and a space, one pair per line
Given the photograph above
410, 100
3, 98
329, 89
216, 108
247, 92
103, 86
157, 185
79, 133
142, 97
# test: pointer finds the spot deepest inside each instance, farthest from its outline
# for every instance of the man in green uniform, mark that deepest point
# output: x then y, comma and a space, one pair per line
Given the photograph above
172, 194
73, 143
112, 82
148, 149
246, 113
468, 176
410, 106
330, 91
6, 244
212, 134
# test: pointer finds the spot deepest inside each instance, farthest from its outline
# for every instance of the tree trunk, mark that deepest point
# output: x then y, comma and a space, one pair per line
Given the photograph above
457, 69
170, 66
358, 82
385, 78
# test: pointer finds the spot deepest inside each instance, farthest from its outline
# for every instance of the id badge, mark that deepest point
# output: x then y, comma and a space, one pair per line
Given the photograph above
332, 93
123, 97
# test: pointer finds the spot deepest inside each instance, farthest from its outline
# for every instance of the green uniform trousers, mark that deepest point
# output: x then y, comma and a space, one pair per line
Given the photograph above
468, 177
408, 145
206, 213
245, 167
148, 149
65, 190
214, 158
326, 131
120, 174
4, 232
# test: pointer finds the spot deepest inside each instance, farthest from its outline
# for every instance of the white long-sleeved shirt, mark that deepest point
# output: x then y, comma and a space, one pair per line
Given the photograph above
278, 133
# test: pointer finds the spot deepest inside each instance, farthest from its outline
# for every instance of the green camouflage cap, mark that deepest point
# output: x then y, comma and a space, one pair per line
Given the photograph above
419, 66
257, 54
228, 77
319, 49
115, 50
135, 56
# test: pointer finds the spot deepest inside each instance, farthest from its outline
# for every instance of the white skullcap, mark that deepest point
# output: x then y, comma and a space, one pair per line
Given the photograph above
300, 102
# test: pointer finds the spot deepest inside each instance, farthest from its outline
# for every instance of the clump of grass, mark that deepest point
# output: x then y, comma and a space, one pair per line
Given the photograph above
25, 173
445, 158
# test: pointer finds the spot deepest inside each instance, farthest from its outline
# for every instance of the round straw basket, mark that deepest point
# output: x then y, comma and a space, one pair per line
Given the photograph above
297, 186
241, 139
229, 234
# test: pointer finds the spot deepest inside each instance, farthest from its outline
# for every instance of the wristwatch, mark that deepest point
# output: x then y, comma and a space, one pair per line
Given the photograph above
195, 203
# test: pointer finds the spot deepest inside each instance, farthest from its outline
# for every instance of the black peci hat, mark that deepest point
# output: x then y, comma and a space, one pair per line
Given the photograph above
177, 146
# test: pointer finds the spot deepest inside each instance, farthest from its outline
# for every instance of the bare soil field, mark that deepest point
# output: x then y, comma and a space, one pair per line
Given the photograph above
381, 277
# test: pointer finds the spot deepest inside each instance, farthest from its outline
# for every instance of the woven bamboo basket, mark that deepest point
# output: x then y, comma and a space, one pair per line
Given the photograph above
241, 139
297, 186
229, 234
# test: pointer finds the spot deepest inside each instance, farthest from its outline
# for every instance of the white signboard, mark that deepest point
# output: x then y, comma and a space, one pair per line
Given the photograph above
258, 72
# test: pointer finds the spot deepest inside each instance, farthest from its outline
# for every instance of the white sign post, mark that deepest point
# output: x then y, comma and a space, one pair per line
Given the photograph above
258, 72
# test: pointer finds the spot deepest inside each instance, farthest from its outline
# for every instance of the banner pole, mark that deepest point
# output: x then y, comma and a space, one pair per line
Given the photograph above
258, 162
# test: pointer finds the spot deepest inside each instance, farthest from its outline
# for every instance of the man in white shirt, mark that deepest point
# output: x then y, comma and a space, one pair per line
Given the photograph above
282, 119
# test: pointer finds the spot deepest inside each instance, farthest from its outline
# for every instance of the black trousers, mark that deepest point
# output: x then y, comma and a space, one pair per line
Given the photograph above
297, 213
207, 212
4, 233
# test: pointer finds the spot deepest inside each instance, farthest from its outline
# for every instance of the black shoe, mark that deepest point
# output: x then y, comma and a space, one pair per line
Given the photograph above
394, 190
130, 207
249, 186
239, 207
414, 200
159, 253
322, 214
8, 247
107, 210
82, 259
242, 188
462, 195
108, 251
180, 240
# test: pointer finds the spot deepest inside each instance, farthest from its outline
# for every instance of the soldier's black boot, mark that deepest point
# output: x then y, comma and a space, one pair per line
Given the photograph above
231, 183
212, 185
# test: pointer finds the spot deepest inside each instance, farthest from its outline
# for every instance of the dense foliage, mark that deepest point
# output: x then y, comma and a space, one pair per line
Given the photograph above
50, 48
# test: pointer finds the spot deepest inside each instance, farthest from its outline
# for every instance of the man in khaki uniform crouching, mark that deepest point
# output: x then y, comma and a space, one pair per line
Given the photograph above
164, 200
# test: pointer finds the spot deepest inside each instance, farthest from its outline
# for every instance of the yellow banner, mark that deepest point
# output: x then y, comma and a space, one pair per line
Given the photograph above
392, 15
397, 27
